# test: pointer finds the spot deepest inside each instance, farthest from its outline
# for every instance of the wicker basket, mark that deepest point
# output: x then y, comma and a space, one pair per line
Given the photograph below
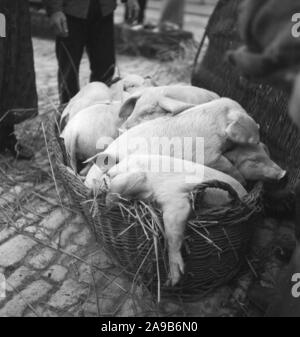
216, 240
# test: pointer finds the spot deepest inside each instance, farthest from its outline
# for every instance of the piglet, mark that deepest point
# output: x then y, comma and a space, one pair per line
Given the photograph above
169, 182
129, 84
91, 130
92, 93
254, 163
150, 103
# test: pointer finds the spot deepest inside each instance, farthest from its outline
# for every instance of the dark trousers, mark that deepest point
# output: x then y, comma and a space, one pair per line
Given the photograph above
96, 34
173, 12
6, 135
17, 76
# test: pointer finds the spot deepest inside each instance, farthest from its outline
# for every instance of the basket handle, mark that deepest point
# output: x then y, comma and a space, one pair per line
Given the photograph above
222, 186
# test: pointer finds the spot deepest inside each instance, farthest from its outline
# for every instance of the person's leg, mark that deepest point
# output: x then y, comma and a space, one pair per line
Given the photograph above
17, 77
141, 15
143, 5
101, 48
5, 132
172, 12
69, 51
126, 15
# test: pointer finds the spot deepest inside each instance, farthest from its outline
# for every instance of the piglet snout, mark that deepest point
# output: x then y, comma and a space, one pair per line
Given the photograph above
275, 173
283, 177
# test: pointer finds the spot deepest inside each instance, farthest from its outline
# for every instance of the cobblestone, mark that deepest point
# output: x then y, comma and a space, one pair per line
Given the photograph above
56, 273
6, 233
67, 232
31, 229
42, 259
20, 223
83, 237
55, 220
68, 295
49, 313
14, 250
6, 199
18, 277
16, 306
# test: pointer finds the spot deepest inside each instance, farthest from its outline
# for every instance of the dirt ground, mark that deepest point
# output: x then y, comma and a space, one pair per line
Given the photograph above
51, 262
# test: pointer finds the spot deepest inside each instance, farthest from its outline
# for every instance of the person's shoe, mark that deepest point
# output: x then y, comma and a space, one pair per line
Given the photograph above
137, 27
150, 25
169, 27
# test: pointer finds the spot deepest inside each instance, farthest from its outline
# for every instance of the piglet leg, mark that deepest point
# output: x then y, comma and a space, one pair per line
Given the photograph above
175, 215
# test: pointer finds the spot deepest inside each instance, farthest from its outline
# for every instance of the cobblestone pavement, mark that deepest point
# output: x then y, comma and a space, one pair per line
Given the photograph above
51, 262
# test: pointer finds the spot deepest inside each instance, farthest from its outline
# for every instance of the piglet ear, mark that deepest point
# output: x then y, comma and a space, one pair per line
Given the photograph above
129, 105
63, 122
149, 82
173, 106
103, 160
106, 161
236, 133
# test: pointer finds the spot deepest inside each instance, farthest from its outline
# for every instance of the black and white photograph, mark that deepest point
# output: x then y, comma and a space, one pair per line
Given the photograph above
149, 161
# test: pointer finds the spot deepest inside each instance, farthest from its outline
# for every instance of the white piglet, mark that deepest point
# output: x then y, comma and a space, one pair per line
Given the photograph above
91, 131
150, 103
169, 182
92, 93
121, 89
219, 124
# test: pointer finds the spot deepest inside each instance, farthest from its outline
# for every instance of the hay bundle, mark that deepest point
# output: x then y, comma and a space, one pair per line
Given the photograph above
165, 46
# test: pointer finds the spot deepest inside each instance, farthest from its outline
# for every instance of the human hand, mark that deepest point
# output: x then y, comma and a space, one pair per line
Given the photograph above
133, 10
59, 22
